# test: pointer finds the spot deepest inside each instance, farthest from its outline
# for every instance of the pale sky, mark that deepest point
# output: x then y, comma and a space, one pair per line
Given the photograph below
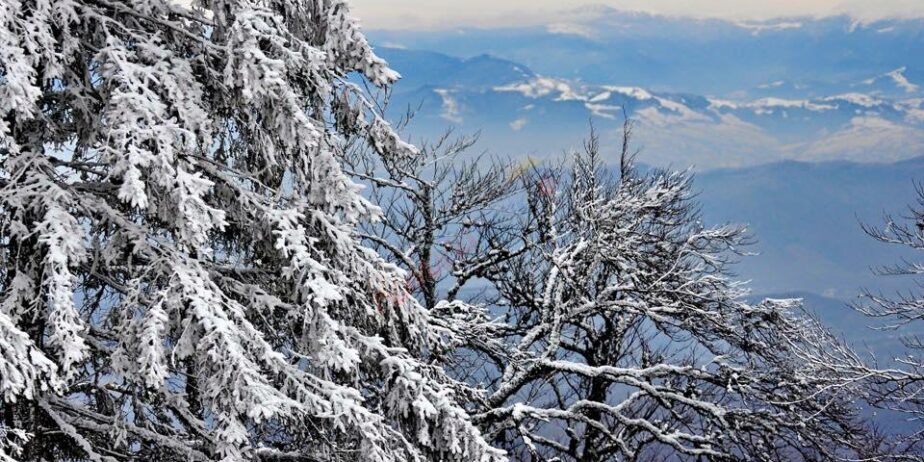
429, 14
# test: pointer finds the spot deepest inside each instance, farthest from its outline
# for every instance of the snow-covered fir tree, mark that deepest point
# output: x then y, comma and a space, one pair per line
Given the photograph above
181, 276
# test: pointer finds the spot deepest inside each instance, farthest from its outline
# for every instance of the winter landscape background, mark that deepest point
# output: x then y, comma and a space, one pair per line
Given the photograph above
230, 232
803, 127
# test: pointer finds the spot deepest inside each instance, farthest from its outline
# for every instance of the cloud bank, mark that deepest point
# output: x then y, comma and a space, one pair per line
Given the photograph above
440, 14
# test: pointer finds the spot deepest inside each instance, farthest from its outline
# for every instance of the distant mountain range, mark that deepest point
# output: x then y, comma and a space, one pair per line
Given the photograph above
709, 93
807, 220
800, 128
520, 112
600, 45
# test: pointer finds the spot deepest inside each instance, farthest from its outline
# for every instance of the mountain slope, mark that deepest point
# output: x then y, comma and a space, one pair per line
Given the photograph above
605, 45
520, 112
806, 218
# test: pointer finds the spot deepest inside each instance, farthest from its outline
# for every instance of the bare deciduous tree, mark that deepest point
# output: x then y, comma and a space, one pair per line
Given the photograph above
901, 388
437, 207
610, 328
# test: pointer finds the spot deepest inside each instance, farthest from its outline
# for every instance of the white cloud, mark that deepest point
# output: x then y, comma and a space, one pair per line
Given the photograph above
865, 139
395, 45
424, 14
757, 27
518, 124
915, 116
728, 141
572, 28
451, 111
703, 142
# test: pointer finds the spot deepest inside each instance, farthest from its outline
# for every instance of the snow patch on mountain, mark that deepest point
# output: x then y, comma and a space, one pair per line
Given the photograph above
716, 104
896, 77
681, 110
605, 111
662, 110
603, 102
858, 99
544, 86
727, 131
652, 116
633, 92
768, 105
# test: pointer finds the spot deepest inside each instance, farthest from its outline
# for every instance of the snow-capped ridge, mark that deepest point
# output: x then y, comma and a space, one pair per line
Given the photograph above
859, 99
770, 103
896, 77
544, 86
608, 100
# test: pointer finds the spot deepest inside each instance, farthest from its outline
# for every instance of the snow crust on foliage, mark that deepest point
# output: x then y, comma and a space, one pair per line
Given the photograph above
181, 240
